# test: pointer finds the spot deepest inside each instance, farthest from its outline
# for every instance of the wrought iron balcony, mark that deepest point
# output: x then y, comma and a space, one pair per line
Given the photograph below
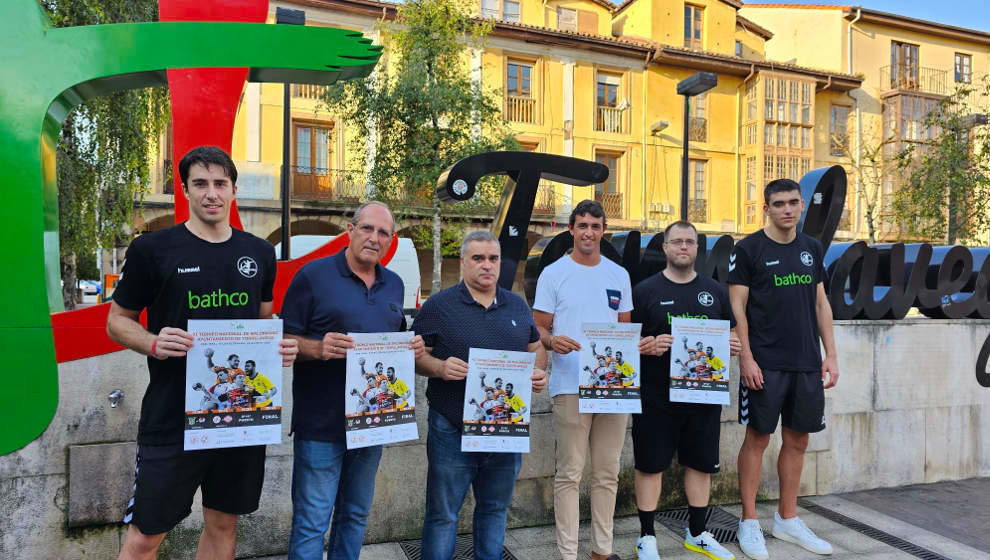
914, 78
340, 185
308, 91
698, 129
546, 199
698, 210
520, 109
611, 203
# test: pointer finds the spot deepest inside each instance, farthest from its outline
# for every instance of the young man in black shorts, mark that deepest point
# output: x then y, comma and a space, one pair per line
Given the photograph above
778, 297
170, 273
692, 430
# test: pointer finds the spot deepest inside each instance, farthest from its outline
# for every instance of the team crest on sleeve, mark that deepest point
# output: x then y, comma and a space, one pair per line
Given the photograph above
706, 299
247, 267
614, 297
807, 259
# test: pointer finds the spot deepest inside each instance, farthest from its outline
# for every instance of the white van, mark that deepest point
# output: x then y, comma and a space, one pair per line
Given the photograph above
404, 262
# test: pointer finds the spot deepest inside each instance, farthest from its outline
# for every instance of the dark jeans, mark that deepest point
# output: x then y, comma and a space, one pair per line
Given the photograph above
451, 472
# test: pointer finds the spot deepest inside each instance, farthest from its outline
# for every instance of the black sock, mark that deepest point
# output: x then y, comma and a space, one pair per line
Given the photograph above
646, 519
696, 519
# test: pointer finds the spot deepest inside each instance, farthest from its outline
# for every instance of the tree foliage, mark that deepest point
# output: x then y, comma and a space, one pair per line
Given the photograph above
946, 192
107, 146
422, 111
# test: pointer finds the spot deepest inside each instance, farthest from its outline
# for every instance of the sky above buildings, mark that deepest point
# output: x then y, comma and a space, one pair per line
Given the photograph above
972, 14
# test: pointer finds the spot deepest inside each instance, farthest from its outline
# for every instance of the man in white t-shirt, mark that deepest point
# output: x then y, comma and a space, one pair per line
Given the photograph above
580, 288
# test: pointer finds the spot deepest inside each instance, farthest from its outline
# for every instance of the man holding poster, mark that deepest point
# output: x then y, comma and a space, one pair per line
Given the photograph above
349, 292
664, 427
478, 314
583, 287
200, 269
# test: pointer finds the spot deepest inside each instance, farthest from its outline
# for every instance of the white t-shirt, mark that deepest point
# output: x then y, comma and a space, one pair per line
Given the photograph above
575, 294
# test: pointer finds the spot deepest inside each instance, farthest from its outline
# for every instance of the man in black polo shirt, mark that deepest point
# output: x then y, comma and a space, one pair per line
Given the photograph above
692, 430
475, 313
167, 272
778, 298
328, 298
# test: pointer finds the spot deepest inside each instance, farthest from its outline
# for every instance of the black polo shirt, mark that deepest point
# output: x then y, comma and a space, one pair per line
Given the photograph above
326, 296
452, 322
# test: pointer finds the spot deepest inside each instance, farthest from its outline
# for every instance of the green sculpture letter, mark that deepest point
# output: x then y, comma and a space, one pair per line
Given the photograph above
46, 72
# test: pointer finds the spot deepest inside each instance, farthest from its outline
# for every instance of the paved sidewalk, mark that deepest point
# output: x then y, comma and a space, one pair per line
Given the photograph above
922, 521
537, 543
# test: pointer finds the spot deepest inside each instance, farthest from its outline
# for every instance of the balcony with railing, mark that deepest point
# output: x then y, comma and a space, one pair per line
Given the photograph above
308, 91
914, 78
332, 185
520, 109
546, 199
609, 119
611, 203
698, 210
698, 129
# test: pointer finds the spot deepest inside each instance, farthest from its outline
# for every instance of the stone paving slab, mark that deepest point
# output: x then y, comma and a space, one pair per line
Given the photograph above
958, 509
538, 543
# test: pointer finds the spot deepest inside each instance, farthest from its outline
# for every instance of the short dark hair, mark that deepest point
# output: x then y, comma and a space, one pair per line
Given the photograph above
250, 362
232, 356
586, 206
779, 185
509, 386
680, 224
207, 155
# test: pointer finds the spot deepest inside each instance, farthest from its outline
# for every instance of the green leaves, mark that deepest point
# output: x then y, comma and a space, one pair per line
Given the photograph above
108, 144
946, 190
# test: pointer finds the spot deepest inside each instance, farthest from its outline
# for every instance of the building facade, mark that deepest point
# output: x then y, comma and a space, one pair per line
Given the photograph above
907, 66
588, 79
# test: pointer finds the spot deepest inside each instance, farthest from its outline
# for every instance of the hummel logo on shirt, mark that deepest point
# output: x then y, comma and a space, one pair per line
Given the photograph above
669, 302
771, 263
188, 270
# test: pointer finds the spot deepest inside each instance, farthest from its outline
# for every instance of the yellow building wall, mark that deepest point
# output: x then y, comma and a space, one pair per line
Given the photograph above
546, 16
811, 37
753, 45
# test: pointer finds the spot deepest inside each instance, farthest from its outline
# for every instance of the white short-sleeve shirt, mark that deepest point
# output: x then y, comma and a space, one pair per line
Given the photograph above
575, 294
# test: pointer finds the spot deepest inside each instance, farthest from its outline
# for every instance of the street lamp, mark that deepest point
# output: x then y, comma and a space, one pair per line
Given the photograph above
689, 87
287, 17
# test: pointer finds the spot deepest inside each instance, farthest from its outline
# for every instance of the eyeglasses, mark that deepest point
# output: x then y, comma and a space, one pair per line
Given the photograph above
369, 230
683, 242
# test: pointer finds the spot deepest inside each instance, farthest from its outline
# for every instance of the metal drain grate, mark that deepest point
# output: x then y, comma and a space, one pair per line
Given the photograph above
463, 549
876, 534
720, 523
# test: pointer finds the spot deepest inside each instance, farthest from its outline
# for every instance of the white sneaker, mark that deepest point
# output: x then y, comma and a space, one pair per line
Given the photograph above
751, 539
794, 530
706, 544
646, 548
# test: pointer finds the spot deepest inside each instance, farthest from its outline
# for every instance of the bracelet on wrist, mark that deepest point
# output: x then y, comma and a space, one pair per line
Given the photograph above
154, 346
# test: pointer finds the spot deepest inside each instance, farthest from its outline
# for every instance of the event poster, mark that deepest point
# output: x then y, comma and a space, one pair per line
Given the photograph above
497, 401
608, 379
699, 361
233, 383
379, 399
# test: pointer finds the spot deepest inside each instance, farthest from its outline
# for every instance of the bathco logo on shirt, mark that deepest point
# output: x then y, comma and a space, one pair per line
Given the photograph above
792, 279
217, 298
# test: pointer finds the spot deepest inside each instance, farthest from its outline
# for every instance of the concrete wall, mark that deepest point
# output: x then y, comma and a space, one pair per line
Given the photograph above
907, 410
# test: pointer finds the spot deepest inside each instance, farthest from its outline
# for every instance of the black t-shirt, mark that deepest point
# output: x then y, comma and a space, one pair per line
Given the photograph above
783, 291
178, 276
656, 301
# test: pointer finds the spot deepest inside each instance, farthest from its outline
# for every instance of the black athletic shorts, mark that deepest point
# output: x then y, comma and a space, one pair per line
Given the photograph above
166, 479
796, 397
658, 433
